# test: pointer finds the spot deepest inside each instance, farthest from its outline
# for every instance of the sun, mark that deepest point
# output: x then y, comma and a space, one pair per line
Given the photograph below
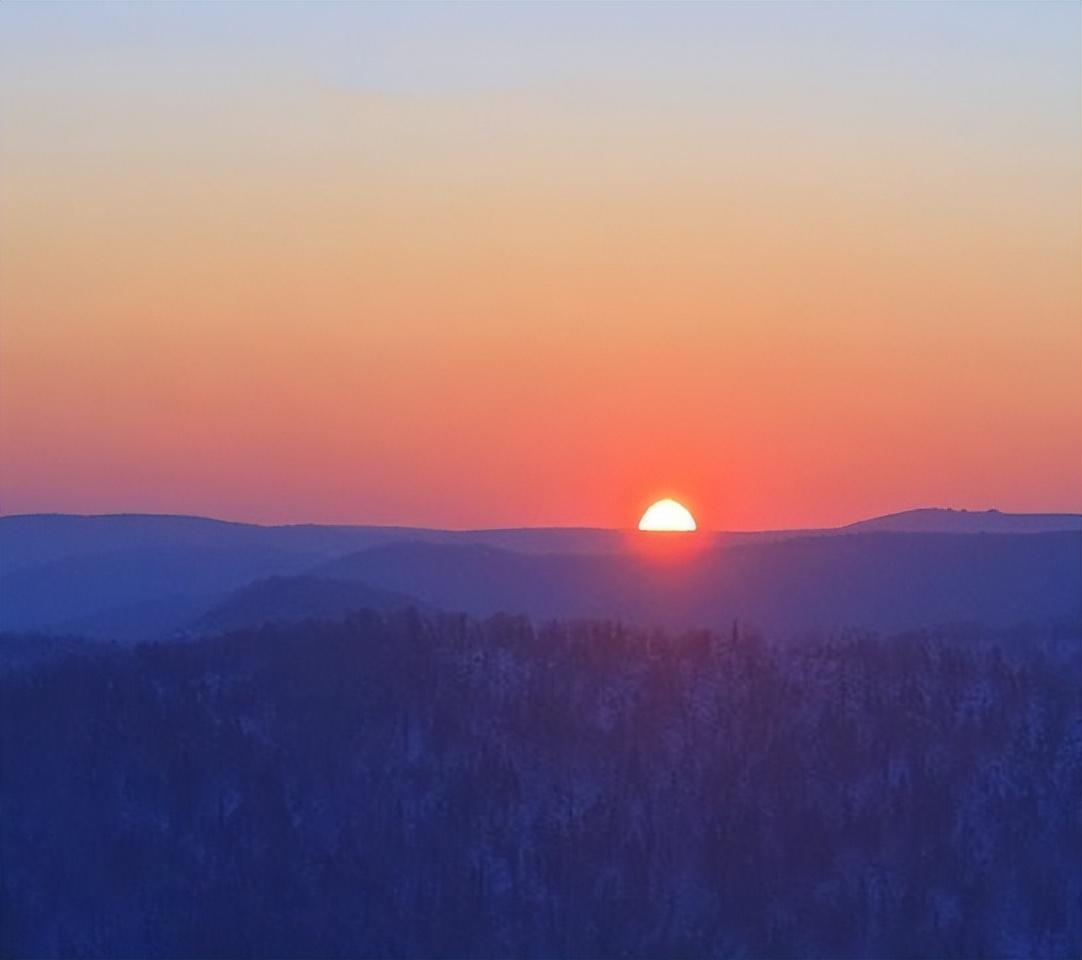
667, 515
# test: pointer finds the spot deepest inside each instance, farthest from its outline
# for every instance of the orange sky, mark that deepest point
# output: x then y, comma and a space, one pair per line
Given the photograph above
791, 273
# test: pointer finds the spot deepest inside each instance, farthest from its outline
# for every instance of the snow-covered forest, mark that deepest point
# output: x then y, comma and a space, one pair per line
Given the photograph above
411, 786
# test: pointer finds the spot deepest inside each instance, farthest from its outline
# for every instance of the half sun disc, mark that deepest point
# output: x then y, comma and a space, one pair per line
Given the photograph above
667, 515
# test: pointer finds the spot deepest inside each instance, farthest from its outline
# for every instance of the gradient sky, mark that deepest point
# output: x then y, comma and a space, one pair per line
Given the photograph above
481, 265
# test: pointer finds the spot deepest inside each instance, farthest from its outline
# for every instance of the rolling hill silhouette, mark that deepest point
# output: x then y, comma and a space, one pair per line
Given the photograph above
134, 577
291, 599
879, 581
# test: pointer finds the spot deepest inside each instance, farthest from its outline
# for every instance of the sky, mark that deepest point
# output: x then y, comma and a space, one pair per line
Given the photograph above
481, 265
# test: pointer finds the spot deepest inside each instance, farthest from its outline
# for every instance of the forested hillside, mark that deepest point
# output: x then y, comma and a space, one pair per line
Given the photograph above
422, 787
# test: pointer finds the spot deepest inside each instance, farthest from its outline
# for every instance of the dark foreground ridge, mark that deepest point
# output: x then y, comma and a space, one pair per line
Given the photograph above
412, 786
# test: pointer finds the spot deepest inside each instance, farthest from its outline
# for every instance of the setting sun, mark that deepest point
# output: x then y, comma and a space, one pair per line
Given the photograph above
667, 515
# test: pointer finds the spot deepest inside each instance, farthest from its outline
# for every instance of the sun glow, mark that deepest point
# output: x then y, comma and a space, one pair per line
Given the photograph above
667, 515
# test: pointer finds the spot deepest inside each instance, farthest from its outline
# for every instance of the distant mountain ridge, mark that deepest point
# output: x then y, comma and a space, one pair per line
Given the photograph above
31, 539
134, 577
947, 520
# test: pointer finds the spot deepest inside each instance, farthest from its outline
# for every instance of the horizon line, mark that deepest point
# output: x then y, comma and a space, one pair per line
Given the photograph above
538, 527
